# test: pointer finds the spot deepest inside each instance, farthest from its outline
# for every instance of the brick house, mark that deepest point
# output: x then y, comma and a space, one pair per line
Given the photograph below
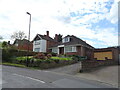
72, 45
42, 43
23, 44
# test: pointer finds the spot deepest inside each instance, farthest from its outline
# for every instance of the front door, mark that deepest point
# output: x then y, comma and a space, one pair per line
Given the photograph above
61, 50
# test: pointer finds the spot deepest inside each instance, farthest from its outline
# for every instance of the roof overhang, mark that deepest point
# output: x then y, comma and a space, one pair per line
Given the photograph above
61, 45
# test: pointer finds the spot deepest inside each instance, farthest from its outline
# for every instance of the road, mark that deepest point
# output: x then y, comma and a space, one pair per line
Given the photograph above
14, 77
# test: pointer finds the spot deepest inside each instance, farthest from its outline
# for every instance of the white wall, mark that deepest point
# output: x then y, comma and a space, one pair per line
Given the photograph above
41, 45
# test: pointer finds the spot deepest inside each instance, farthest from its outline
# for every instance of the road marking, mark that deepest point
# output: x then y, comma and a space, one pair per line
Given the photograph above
46, 71
42, 71
30, 78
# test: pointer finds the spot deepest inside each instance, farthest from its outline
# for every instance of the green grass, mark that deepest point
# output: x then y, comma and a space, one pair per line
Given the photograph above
12, 64
22, 58
61, 58
19, 65
52, 58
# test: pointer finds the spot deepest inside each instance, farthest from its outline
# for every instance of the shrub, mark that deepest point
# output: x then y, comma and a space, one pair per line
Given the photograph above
49, 56
53, 54
40, 56
8, 53
56, 61
79, 58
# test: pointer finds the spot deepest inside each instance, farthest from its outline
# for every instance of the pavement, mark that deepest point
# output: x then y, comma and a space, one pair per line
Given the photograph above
72, 69
15, 77
108, 74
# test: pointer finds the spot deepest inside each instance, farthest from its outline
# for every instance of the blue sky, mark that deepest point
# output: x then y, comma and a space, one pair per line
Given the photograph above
94, 21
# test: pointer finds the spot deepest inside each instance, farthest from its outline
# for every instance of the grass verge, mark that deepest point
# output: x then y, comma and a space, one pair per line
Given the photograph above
12, 64
18, 65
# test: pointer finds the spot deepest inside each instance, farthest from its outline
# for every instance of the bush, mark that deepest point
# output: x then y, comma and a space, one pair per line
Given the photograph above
40, 56
49, 56
79, 58
9, 53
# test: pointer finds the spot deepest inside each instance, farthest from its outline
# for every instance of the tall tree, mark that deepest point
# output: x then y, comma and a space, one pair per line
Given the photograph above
4, 44
18, 35
59, 37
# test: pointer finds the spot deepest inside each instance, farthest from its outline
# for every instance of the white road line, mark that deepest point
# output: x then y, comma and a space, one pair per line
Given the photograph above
30, 78
42, 71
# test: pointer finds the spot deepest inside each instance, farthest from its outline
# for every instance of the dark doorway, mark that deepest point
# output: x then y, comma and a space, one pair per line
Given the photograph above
61, 50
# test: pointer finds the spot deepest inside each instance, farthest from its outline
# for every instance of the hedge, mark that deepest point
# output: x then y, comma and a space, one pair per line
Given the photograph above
7, 54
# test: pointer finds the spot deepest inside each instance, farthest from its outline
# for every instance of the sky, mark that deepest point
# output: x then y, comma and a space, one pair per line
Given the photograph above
94, 21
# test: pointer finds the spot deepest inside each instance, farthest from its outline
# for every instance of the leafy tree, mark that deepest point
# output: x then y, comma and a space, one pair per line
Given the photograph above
18, 35
59, 37
4, 44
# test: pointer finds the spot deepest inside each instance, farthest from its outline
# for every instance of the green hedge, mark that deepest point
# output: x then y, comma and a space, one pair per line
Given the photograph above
7, 54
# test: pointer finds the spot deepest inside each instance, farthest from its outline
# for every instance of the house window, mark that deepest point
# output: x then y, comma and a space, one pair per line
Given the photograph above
67, 39
37, 49
70, 49
73, 49
37, 42
54, 50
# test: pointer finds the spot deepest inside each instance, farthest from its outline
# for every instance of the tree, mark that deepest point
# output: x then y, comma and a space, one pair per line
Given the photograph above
4, 44
18, 35
59, 37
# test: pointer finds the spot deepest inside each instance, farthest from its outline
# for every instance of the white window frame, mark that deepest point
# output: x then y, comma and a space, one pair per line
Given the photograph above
55, 50
66, 39
37, 42
70, 49
37, 49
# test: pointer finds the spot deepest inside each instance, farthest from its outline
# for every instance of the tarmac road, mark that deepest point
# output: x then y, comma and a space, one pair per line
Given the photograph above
14, 77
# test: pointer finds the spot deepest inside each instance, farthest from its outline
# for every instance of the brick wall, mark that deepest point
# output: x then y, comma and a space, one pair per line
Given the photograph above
49, 44
92, 64
25, 47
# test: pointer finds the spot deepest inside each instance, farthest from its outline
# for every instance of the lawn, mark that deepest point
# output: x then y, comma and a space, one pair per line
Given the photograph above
62, 58
22, 58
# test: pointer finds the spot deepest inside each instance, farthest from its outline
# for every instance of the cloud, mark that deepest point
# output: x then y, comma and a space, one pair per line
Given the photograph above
59, 16
113, 15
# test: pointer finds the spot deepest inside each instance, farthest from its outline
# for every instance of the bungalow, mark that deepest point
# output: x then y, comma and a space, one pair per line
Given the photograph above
23, 44
71, 45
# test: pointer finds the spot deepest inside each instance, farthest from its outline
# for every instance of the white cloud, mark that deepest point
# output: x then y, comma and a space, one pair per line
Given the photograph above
113, 15
54, 15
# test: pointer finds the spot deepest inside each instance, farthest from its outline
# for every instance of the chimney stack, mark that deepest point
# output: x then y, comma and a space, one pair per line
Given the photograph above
47, 33
56, 37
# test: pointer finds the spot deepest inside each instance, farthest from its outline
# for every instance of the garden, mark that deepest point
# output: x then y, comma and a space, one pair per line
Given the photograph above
39, 60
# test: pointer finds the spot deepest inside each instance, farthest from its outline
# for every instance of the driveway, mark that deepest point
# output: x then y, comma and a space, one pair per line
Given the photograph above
69, 69
108, 74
